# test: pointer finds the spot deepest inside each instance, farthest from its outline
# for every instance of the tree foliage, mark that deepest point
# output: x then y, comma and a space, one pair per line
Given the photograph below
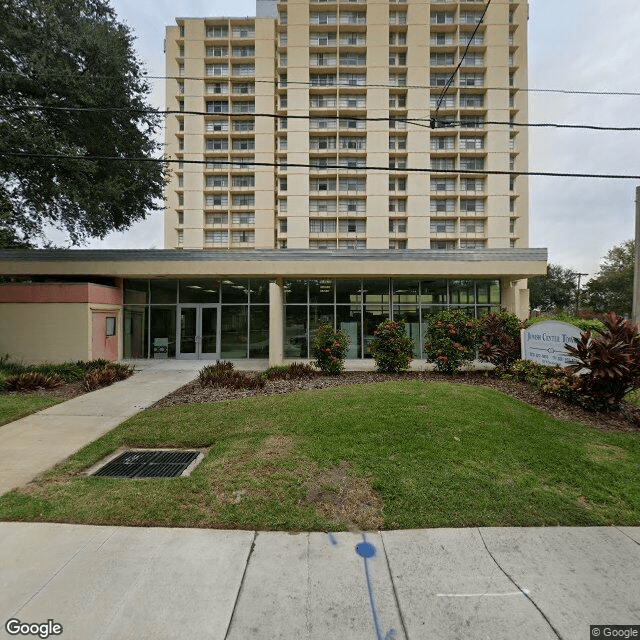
554, 292
612, 288
58, 54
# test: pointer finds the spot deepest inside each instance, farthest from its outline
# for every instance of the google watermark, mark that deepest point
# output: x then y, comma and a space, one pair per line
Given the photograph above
15, 627
618, 631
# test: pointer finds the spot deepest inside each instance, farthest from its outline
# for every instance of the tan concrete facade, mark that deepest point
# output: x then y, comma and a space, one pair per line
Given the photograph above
53, 332
352, 85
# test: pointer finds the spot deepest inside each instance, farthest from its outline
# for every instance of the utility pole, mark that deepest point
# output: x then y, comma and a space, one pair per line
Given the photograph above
635, 311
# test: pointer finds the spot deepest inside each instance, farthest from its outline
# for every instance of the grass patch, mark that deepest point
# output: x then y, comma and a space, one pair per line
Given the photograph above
388, 455
13, 407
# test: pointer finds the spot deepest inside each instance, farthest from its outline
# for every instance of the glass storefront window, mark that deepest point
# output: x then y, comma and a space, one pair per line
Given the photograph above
134, 334
163, 331
376, 291
374, 314
319, 315
349, 292
235, 291
462, 292
295, 292
405, 291
321, 291
259, 331
410, 315
233, 333
199, 291
136, 291
433, 292
349, 321
296, 332
259, 291
164, 291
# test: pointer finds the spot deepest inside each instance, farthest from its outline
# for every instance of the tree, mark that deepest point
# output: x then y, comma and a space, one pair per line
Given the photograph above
554, 292
71, 85
612, 288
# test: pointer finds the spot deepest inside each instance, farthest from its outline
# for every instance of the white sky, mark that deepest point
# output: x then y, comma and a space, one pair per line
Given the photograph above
573, 44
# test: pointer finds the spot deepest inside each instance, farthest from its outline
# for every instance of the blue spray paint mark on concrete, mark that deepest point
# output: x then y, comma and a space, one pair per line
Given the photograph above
332, 540
366, 551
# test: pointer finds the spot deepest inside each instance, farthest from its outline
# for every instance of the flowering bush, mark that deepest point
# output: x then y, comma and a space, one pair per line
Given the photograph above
392, 348
500, 339
329, 349
451, 339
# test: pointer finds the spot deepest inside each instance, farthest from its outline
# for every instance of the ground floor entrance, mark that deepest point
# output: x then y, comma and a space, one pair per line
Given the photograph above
199, 331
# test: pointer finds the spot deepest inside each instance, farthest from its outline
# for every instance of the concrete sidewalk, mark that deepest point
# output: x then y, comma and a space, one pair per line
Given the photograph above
438, 584
35, 443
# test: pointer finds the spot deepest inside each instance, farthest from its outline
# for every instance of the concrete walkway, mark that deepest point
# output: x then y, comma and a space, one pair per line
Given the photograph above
439, 584
35, 443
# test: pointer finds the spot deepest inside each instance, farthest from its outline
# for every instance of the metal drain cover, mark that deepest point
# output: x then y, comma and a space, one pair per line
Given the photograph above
148, 464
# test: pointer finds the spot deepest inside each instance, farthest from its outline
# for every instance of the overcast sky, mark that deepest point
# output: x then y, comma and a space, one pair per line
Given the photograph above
573, 44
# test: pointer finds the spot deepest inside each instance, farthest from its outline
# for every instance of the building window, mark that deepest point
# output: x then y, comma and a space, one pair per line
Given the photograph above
243, 237
216, 237
321, 225
397, 225
442, 206
442, 226
397, 205
352, 225
216, 219
180, 218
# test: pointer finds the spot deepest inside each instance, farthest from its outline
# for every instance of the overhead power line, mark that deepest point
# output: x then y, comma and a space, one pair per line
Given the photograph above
453, 75
587, 92
288, 165
439, 124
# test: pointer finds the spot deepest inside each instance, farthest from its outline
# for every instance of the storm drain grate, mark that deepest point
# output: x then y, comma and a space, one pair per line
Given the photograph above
148, 464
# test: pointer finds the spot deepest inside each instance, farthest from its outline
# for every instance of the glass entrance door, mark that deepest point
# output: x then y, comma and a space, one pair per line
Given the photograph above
198, 331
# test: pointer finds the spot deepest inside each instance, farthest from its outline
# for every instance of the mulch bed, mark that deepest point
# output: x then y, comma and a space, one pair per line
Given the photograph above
627, 420
65, 391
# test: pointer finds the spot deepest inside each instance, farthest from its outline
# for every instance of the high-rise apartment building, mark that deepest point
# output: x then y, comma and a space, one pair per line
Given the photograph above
332, 162
306, 123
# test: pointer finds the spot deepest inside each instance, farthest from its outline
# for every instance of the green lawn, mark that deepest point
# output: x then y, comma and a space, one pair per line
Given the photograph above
13, 407
389, 455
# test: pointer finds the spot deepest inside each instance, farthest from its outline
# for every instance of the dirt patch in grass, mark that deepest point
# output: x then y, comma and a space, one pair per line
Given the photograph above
627, 420
604, 453
345, 499
275, 448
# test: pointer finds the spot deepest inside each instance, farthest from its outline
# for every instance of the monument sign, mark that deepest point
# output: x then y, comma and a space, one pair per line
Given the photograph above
544, 343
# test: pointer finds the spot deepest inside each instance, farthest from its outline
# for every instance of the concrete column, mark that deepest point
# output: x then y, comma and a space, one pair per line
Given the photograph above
514, 297
276, 322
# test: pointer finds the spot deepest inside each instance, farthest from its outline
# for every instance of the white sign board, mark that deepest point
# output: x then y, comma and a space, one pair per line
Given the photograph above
544, 343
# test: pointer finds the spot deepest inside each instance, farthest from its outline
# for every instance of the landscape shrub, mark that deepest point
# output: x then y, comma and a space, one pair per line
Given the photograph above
586, 324
68, 371
105, 375
32, 380
391, 347
500, 339
329, 349
222, 374
451, 339
293, 371
608, 364
214, 375
532, 372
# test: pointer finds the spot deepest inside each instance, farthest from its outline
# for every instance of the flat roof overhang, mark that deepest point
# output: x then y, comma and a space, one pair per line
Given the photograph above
275, 263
